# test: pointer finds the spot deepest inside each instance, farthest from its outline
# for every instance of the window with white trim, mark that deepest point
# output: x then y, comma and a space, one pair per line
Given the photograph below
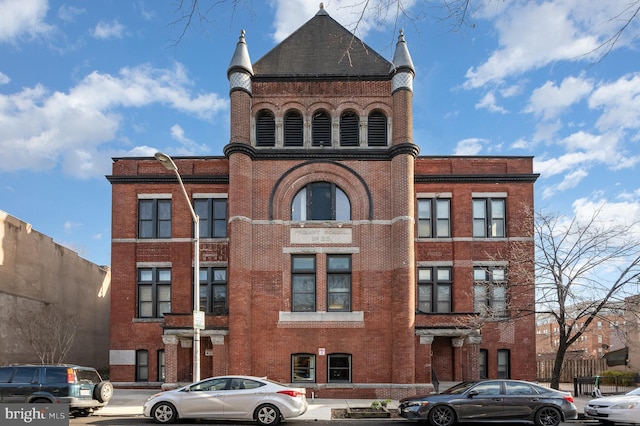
489, 217
434, 289
434, 218
490, 291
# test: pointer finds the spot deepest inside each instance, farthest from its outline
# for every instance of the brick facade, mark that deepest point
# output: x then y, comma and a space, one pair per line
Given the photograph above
392, 347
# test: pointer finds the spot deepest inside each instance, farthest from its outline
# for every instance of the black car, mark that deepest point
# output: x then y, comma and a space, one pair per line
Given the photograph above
80, 387
491, 401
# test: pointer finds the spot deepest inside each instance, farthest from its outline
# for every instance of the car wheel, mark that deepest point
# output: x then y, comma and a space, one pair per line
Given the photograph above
441, 415
548, 416
267, 414
103, 391
164, 412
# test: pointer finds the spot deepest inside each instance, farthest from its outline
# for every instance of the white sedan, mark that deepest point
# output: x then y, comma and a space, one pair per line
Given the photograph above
615, 409
230, 398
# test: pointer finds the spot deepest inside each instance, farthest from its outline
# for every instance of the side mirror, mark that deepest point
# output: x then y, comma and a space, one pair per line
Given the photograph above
472, 393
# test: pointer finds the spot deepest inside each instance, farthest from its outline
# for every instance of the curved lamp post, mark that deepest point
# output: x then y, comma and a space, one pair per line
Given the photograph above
198, 321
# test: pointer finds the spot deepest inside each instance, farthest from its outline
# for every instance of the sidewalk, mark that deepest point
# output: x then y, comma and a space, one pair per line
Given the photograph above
128, 402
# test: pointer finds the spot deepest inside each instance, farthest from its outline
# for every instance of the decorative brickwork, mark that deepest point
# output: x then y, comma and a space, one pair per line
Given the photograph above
388, 347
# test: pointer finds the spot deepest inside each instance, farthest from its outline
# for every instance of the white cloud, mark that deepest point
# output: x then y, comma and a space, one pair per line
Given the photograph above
4, 79
23, 19
69, 13
53, 127
550, 100
620, 102
471, 146
188, 146
533, 34
489, 102
621, 212
108, 30
291, 14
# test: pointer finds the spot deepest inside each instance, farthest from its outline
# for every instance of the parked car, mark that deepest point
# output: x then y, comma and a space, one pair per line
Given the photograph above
491, 401
614, 409
231, 398
80, 387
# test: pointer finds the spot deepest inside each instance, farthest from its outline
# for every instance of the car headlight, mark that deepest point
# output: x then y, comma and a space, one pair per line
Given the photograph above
624, 406
154, 396
416, 403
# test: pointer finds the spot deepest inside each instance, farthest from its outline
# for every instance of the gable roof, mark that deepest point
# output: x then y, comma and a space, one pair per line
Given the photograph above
322, 48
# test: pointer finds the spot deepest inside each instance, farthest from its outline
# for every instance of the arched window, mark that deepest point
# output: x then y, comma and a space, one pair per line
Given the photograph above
321, 129
349, 129
293, 135
321, 201
377, 129
265, 129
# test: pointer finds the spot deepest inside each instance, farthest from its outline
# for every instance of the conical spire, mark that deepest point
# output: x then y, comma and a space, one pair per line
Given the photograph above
240, 60
401, 58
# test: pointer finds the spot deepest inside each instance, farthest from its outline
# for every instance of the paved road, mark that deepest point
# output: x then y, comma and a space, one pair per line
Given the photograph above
128, 421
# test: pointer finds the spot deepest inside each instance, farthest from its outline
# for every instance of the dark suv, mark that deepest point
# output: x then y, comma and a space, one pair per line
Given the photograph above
80, 387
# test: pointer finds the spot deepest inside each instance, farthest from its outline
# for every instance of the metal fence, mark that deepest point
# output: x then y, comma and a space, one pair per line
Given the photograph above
600, 386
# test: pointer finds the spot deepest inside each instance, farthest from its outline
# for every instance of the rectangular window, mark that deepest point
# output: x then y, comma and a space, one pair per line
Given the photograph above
490, 291
213, 290
142, 365
504, 368
489, 218
339, 368
162, 366
303, 283
483, 364
303, 368
339, 283
154, 218
154, 292
434, 289
213, 217
434, 218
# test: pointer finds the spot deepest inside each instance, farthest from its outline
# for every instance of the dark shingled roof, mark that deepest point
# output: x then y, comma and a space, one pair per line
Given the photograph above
322, 48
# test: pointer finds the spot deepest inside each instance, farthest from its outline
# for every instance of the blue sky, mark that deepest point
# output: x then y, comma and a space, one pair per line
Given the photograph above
84, 81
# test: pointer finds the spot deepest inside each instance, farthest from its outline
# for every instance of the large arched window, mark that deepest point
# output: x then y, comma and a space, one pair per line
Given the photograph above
349, 124
265, 129
321, 129
377, 129
293, 134
321, 201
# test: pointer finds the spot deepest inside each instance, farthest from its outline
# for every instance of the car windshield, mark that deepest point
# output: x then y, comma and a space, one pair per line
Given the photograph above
634, 392
459, 388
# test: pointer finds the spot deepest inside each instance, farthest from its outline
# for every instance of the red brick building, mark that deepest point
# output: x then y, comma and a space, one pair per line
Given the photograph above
332, 255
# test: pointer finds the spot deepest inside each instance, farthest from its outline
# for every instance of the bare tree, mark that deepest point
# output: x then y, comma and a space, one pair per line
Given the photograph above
50, 332
582, 267
457, 12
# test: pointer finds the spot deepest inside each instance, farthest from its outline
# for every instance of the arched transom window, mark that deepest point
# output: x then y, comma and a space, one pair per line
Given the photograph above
321, 201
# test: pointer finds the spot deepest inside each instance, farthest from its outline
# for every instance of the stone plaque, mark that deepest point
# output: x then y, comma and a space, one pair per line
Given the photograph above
321, 236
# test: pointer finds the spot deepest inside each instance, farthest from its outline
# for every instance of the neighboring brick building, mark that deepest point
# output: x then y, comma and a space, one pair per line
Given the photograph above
332, 255
49, 293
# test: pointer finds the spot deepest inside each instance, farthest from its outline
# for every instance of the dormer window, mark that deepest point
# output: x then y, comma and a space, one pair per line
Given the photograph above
293, 129
321, 129
349, 125
321, 201
265, 129
377, 129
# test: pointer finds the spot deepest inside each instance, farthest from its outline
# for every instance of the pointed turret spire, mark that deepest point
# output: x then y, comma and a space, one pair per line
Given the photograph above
240, 60
401, 58
322, 11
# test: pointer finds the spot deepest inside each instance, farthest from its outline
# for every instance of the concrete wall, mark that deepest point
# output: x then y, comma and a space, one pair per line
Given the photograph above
39, 279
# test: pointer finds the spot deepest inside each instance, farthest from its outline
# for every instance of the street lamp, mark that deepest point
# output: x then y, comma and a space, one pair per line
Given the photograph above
198, 317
